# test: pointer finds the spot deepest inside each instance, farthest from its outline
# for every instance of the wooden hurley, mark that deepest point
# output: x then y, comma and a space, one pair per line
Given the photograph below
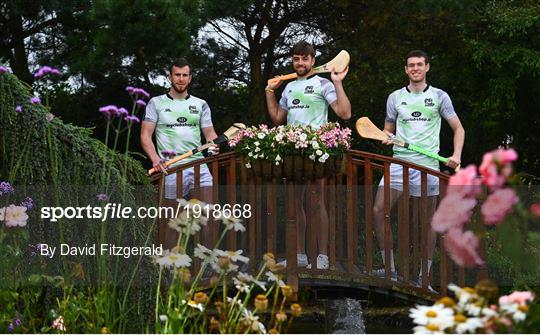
229, 133
367, 129
338, 64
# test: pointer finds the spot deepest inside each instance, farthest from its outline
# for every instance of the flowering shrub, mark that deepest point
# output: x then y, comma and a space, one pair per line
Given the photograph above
475, 310
274, 144
465, 190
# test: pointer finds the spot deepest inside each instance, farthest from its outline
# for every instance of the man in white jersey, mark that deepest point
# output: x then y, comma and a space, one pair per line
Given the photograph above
413, 114
305, 102
177, 119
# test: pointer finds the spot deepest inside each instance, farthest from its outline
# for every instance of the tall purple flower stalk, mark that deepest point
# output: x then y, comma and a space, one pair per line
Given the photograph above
45, 70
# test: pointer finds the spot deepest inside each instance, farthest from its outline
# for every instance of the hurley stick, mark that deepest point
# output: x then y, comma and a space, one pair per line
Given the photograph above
367, 129
231, 132
338, 64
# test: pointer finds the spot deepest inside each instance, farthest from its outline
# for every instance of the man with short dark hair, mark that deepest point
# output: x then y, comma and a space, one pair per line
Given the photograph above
305, 102
177, 119
413, 114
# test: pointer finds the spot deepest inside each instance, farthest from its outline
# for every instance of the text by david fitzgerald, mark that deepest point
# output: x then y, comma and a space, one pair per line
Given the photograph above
101, 249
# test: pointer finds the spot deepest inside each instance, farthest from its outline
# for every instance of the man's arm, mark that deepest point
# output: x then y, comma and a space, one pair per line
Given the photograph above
459, 140
277, 114
342, 105
390, 130
209, 133
147, 130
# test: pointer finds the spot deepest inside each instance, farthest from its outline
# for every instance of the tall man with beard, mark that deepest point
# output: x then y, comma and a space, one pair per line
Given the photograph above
177, 118
305, 102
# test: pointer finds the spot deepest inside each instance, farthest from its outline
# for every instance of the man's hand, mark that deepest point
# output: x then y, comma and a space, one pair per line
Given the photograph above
213, 150
274, 84
390, 137
338, 76
453, 161
159, 165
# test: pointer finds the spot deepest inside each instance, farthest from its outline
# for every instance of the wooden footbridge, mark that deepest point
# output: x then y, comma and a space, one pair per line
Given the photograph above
352, 249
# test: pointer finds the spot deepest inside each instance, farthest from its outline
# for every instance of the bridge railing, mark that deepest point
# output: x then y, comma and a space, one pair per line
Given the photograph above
352, 249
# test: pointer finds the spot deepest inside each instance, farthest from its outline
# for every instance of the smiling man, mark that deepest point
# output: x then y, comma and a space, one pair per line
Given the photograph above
305, 102
413, 114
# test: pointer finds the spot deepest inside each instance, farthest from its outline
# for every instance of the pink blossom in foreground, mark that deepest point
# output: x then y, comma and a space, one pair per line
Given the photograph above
517, 297
462, 247
465, 182
453, 212
14, 216
498, 205
535, 209
495, 167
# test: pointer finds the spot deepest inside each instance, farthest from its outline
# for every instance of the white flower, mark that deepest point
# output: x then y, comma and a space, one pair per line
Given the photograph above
248, 165
163, 318
14, 216
230, 221
255, 156
277, 163
315, 145
322, 159
261, 135
261, 155
235, 256
279, 137
437, 314
428, 329
257, 149
249, 319
319, 152
204, 253
173, 259
193, 304
312, 157
250, 154
278, 157
326, 155
302, 137
470, 325
272, 277
514, 310
256, 143
240, 286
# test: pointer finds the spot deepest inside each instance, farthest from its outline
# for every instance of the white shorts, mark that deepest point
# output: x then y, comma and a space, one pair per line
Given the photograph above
188, 181
415, 178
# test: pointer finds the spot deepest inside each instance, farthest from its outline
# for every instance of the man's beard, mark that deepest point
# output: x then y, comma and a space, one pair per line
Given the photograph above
302, 71
177, 90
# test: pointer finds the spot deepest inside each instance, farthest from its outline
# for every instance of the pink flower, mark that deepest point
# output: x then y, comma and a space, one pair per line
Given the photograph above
453, 212
495, 167
35, 100
462, 247
535, 209
498, 205
517, 297
14, 216
465, 182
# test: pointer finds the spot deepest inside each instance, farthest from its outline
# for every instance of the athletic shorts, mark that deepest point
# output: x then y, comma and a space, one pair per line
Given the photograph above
188, 178
415, 177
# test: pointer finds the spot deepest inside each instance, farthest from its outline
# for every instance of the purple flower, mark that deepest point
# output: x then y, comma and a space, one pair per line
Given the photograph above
122, 111
5, 187
140, 103
3, 69
28, 203
102, 197
109, 111
18, 109
10, 327
18, 322
35, 100
130, 89
138, 92
45, 70
132, 119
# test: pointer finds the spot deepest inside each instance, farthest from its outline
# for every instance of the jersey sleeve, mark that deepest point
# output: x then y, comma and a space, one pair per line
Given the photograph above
206, 116
328, 90
446, 108
391, 111
283, 99
150, 114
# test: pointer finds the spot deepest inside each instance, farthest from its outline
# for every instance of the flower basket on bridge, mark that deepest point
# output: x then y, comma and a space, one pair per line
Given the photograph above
293, 152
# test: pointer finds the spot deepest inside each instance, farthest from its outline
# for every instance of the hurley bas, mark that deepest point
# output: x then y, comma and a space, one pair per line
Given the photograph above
104, 249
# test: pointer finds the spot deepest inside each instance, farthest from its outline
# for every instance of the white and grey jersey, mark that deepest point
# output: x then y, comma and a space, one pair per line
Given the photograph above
178, 123
306, 101
418, 121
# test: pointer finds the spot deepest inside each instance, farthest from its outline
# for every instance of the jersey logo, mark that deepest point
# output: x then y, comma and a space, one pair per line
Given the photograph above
167, 110
181, 119
193, 110
429, 102
416, 114
296, 102
403, 103
308, 90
